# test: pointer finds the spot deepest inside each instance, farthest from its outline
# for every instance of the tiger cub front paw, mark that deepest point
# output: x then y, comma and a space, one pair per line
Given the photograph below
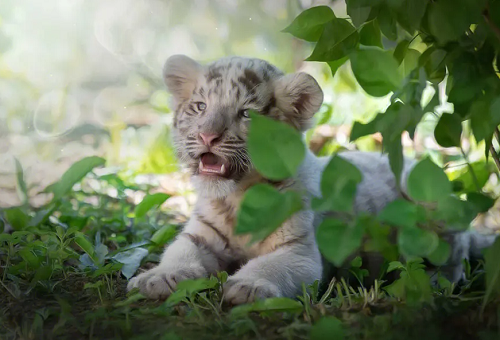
238, 291
158, 283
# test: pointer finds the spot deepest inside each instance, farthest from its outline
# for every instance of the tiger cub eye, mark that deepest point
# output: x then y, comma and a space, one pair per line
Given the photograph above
201, 106
244, 113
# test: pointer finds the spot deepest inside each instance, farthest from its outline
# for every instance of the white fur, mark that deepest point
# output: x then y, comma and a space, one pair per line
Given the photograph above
278, 265
268, 271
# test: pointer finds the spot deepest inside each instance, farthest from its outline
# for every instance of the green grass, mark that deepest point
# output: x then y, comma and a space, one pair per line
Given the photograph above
63, 268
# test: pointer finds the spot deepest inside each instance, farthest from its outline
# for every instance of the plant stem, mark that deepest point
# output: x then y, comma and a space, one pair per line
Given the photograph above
11, 293
496, 30
487, 18
471, 169
493, 152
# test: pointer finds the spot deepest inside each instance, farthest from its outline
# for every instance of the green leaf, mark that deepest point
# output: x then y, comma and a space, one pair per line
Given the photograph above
110, 268
448, 130
100, 250
397, 118
495, 12
379, 240
130, 300
93, 285
410, 62
410, 14
264, 209
74, 174
148, 202
339, 38
481, 202
446, 27
492, 269
131, 260
222, 276
400, 50
360, 130
370, 34
43, 273
376, 71
464, 93
187, 288
485, 116
396, 159
197, 285
30, 257
82, 241
457, 214
277, 304
361, 10
176, 297
357, 262
397, 288
417, 242
428, 182
338, 186
337, 239
441, 254
413, 285
358, 10
276, 149
482, 170
17, 218
392, 123
400, 213
308, 25
335, 65
433, 61
387, 22
495, 111
481, 122
327, 328
171, 336
164, 235
444, 283
22, 189
395, 265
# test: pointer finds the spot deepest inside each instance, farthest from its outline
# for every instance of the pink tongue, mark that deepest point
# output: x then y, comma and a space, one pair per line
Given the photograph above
210, 160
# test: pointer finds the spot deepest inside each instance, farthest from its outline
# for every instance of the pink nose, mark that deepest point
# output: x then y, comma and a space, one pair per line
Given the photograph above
208, 138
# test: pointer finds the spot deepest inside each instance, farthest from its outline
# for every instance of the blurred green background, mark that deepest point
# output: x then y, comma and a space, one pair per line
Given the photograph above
83, 77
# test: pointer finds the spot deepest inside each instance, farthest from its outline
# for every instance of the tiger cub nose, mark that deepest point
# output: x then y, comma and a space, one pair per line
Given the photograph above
208, 138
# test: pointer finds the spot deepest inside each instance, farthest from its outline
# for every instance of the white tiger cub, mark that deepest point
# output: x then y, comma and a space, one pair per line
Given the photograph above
210, 129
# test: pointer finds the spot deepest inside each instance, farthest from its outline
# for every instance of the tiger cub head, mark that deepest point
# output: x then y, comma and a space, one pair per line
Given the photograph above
211, 118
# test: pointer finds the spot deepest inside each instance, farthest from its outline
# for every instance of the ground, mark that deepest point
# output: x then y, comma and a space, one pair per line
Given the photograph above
63, 276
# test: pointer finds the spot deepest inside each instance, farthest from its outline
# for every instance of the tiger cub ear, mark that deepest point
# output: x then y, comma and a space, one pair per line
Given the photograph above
180, 74
299, 96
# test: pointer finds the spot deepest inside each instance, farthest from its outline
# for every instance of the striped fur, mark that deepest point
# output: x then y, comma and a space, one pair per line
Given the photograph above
278, 265
227, 88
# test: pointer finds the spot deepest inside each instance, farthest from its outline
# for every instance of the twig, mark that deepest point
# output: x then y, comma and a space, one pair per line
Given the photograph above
493, 152
494, 155
471, 169
486, 16
7, 288
496, 30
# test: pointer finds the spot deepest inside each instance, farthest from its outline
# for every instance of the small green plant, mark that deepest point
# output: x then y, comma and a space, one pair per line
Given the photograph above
64, 266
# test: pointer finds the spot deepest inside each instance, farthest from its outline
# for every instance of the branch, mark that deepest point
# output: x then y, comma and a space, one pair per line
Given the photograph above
487, 18
493, 152
496, 30
471, 169
494, 155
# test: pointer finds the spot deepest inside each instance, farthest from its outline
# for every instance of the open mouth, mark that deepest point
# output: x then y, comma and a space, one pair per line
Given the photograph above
212, 165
